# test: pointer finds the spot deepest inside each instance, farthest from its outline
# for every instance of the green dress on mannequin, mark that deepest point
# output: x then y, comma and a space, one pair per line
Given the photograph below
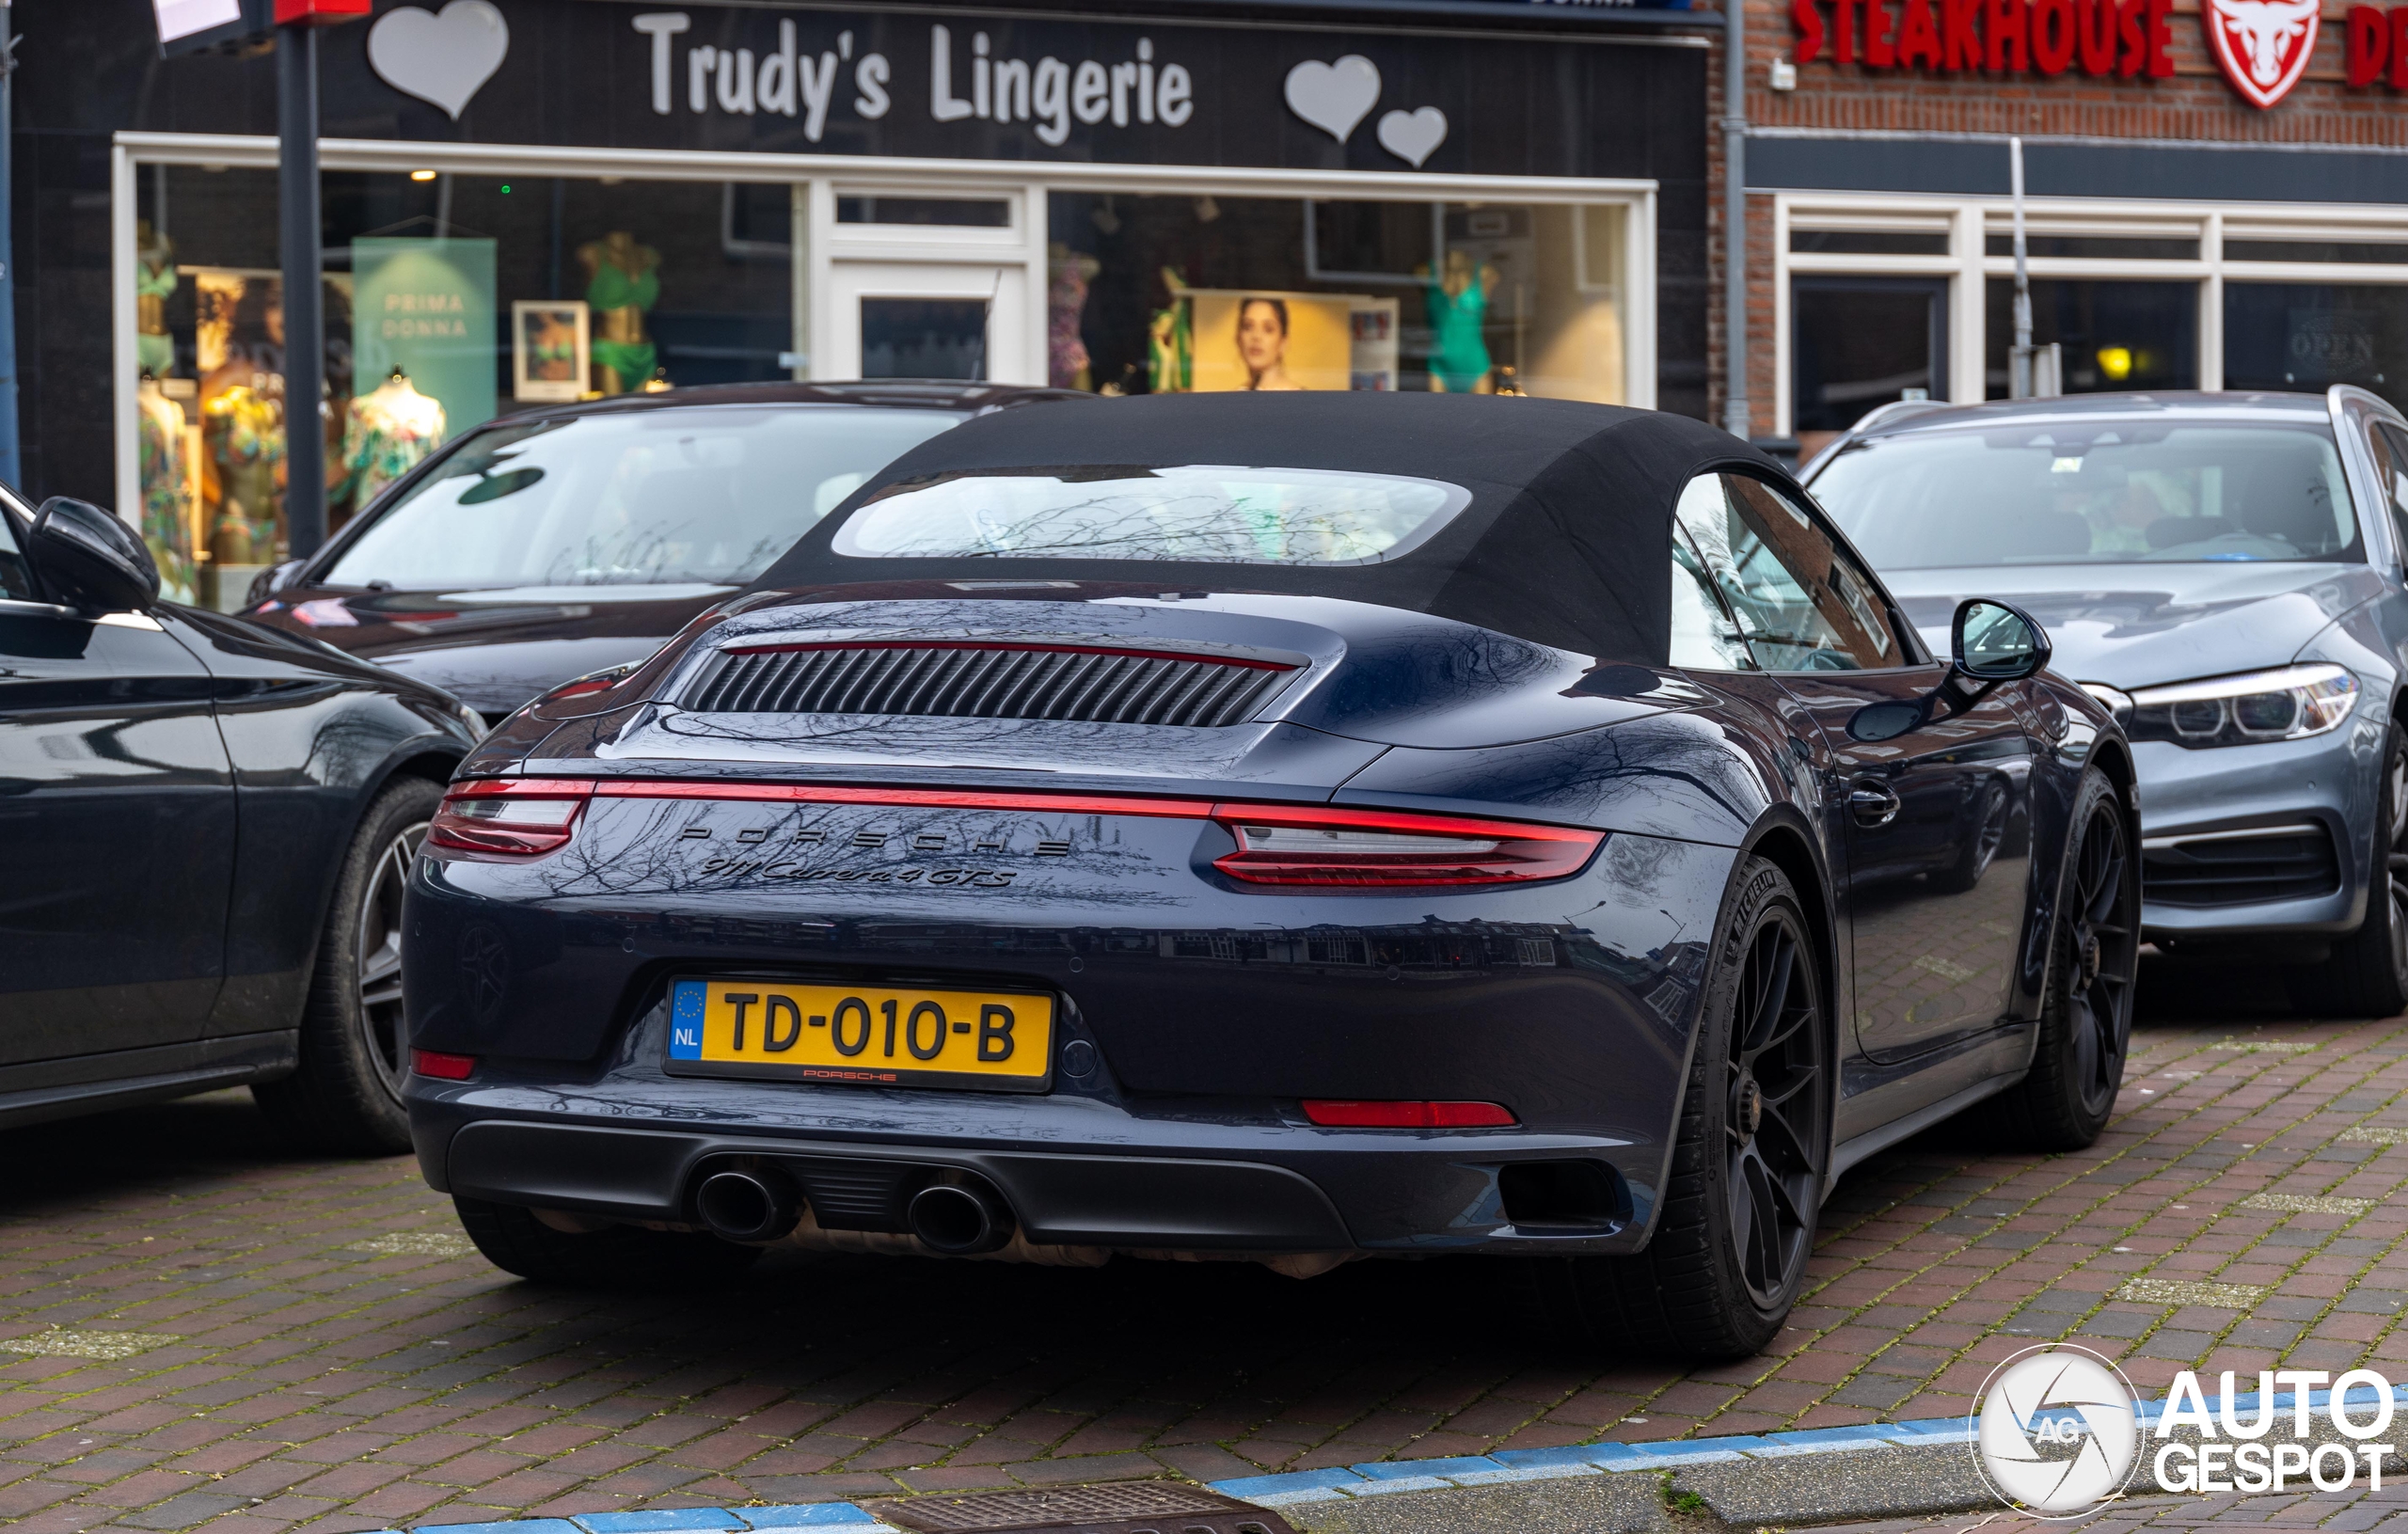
622, 283
1459, 359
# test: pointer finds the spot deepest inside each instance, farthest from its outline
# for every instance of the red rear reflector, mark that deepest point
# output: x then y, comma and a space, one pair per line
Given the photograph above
1335, 1112
1332, 847
444, 1067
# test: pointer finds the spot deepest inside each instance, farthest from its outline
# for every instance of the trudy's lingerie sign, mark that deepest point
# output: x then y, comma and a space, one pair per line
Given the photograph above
966, 79
804, 80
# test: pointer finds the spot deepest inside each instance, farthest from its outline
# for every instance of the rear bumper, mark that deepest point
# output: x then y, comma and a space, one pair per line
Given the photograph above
1102, 1178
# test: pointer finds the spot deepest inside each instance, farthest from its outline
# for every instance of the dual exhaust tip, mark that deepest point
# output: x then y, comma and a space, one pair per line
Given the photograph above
960, 1217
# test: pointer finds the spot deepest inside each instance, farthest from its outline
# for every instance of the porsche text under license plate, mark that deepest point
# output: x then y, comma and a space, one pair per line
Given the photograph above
875, 1035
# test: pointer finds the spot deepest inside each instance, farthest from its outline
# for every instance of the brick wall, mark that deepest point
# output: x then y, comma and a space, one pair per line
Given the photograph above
2195, 103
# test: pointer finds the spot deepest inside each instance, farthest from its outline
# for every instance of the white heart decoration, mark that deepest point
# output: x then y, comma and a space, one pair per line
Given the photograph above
1334, 97
1412, 136
444, 59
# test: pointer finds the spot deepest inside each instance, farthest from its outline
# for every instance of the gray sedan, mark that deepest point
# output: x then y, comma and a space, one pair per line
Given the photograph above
2224, 572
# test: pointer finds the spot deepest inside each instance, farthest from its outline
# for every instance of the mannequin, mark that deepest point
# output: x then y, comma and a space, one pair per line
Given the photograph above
1458, 300
391, 428
166, 497
622, 283
243, 426
1068, 365
1170, 340
154, 283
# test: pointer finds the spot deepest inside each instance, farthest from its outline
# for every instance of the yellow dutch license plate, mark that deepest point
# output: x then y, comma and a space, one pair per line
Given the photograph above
872, 1035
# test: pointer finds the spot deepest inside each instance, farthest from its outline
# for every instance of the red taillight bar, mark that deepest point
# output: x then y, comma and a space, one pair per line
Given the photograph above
1523, 852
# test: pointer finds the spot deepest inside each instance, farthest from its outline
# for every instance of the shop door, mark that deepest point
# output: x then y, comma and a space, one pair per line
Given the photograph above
929, 319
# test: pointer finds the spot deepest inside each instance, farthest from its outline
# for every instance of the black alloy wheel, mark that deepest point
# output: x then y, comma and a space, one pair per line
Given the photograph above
2064, 1101
384, 1032
346, 1095
1735, 1223
1773, 1125
2366, 974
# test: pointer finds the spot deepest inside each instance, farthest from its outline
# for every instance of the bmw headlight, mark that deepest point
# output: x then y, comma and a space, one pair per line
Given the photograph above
2287, 704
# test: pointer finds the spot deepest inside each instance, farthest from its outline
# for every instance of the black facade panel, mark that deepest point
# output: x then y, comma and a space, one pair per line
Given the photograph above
1978, 168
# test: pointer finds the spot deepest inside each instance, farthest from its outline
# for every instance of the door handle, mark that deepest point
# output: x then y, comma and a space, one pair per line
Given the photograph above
1872, 803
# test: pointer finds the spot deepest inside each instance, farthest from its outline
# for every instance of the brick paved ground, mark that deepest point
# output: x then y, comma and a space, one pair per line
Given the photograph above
294, 1377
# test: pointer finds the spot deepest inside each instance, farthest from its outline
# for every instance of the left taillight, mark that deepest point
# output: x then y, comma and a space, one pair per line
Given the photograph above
509, 817
1373, 848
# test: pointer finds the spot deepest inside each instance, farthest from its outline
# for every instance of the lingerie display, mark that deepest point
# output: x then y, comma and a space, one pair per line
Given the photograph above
390, 431
166, 492
1459, 356
622, 283
1066, 354
156, 281
1170, 342
244, 428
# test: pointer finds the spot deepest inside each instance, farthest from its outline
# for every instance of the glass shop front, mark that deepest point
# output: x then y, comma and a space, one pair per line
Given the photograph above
760, 194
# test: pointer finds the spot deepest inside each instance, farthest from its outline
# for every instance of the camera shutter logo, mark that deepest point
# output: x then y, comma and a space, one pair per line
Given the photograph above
2057, 1432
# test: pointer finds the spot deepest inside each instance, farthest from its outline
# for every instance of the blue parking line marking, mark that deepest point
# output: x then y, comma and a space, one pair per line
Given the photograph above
1399, 1469
661, 1521
1374, 1478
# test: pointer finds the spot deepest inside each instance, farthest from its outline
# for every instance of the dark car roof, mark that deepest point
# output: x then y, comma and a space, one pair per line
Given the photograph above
1565, 541
2092, 406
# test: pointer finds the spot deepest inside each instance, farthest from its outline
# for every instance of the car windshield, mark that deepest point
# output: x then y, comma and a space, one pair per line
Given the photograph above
669, 496
2093, 493
1196, 513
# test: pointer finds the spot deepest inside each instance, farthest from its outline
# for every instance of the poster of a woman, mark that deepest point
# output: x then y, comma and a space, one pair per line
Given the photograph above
1262, 342
1269, 341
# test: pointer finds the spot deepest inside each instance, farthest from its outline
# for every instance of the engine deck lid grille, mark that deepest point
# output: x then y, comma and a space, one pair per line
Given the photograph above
980, 679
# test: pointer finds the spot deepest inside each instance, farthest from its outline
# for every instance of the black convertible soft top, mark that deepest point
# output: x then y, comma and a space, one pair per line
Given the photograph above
1567, 540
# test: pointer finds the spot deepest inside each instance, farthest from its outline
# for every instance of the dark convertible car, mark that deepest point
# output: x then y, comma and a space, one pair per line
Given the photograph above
1293, 829
205, 829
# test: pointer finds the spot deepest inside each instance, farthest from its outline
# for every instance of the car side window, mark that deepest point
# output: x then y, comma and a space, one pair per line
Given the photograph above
1703, 636
16, 577
2390, 445
1803, 604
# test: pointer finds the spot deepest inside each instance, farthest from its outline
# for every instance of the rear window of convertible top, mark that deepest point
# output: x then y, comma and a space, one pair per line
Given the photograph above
1191, 514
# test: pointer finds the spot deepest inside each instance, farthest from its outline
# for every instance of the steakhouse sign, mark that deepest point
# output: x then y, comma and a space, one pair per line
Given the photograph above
2261, 45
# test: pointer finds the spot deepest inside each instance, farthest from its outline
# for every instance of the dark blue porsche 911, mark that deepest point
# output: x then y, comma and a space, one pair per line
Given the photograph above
1287, 828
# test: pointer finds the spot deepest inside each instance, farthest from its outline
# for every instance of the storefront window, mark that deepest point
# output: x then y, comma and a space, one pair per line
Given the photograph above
1175, 293
2308, 336
2116, 335
448, 299
1857, 342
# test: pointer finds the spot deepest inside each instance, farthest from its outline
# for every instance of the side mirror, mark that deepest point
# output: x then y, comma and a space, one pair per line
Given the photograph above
270, 581
1991, 641
88, 558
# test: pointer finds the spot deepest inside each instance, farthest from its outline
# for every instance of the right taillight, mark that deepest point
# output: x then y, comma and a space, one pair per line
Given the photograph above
509, 817
1378, 848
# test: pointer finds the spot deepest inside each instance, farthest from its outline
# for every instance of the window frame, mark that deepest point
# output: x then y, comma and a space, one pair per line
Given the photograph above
1902, 634
1968, 221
